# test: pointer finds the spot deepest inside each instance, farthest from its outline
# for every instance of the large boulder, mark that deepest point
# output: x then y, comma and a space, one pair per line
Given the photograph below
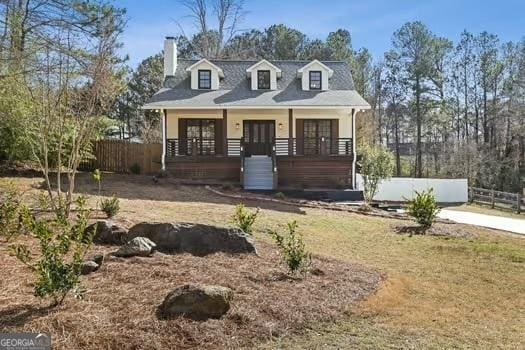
196, 239
195, 301
107, 232
138, 246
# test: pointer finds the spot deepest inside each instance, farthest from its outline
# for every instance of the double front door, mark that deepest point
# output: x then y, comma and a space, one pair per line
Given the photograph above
258, 137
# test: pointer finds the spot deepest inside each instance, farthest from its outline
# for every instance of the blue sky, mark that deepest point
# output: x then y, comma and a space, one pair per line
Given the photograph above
371, 22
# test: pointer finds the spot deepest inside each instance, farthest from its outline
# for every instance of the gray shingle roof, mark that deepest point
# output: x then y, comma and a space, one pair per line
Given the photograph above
235, 88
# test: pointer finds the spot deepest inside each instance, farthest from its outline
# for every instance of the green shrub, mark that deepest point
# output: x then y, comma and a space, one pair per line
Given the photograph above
292, 248
244, 218
423, 208
63, 244
110, 206
280, 195
377, 164
135, 169
97, 177
11, 211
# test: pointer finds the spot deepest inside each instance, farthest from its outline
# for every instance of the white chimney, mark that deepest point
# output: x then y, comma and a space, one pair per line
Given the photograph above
170, 56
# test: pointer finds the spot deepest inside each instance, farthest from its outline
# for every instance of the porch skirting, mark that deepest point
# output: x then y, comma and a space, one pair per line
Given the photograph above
225, 169
322, 172
293, 172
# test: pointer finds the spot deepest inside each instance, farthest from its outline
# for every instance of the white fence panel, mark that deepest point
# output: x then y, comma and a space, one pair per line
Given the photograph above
398, 189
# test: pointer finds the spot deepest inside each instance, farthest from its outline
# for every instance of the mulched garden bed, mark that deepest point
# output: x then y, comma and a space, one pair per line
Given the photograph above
119, 310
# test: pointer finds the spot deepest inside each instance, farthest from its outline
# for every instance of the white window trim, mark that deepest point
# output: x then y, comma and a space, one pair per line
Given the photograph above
272, 66
303, 69
204, 64
196, 64
253, 72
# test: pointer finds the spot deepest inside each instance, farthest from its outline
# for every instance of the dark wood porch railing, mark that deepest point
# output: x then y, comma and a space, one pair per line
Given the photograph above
323, 146
314, 146
191, 147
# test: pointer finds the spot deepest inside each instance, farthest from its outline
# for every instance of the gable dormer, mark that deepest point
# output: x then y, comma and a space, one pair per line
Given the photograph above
314, 76
263, 75
205, 75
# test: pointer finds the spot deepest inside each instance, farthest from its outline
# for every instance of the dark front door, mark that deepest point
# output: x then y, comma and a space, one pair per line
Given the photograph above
258, 137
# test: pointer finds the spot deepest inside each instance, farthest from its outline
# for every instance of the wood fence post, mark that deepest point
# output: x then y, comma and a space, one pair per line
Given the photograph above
470, 195
518, 203
492, 199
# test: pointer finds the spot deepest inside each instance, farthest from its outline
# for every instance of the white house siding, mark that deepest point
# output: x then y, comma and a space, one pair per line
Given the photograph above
236, 116
174, 115
344, 116
281, 116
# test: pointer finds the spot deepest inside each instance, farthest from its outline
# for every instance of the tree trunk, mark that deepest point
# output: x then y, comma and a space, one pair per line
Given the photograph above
419, 153
465, 86
396, 138
486, 136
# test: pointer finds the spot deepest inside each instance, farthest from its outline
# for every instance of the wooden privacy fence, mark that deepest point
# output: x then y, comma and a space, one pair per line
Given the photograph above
495, 198
122, 156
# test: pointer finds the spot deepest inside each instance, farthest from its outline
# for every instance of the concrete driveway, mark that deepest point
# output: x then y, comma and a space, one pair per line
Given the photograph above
490, 221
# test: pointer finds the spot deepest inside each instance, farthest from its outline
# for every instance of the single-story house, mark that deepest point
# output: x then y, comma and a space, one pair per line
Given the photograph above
264, 124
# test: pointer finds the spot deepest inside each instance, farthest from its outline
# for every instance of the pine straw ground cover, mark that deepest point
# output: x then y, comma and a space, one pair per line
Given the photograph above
119, 311
452, 291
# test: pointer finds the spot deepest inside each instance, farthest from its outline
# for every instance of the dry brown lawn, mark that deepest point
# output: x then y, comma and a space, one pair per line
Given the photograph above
439, 292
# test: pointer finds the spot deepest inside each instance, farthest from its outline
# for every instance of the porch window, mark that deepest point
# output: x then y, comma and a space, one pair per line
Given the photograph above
204, 79
317, 136
315, 80
263, 79
200, 136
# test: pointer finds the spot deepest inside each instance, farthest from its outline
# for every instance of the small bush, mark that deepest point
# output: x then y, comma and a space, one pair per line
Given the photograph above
110, 206
280, 195
423, 208
97, 177
11, 211
135, 169
377, 164
63, 245
293, 250
244, 218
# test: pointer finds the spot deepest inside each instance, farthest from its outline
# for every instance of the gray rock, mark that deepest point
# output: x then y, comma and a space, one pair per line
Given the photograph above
98, 258
196, 239
138, 246
88, 267
107, 232
197, 302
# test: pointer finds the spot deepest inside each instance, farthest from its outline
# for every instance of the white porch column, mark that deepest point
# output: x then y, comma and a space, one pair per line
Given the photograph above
354, 160
164, 131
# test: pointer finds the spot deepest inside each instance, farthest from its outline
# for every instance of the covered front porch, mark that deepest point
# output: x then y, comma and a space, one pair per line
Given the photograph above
262, 148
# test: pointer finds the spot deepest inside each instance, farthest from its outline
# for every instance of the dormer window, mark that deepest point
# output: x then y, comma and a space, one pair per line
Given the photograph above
263, 79
263, 75
205, 75
315, 80
205, 79
315, 76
